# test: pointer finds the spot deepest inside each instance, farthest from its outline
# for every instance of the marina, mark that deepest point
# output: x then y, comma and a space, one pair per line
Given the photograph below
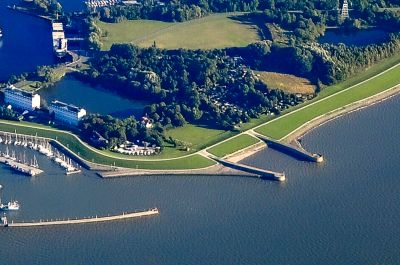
244, 218
345, 212
23, 168
39, 144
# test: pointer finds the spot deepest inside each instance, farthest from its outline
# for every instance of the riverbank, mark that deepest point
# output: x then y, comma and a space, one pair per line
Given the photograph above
29, 12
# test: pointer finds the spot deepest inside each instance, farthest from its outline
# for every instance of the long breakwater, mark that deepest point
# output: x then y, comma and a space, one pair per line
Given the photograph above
94, 219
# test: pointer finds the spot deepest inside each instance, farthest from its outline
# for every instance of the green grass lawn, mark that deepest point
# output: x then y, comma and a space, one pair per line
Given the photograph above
71, 142
233, 145
214, 31
281, 127
329, 90
199, 136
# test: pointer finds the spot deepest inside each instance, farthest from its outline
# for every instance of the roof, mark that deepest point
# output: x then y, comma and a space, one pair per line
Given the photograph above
58, 27
66, 106
58, 35
16, 90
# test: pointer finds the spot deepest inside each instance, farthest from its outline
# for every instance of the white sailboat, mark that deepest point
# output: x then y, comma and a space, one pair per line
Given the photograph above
10, 206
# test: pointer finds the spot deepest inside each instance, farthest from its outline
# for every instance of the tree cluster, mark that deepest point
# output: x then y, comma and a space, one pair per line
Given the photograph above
174, 10
8, 114
118, 131
46, 7
186, 86
327, 63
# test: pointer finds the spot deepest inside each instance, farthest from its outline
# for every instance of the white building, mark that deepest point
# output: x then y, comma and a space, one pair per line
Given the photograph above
66, 113
21, 99
60, 43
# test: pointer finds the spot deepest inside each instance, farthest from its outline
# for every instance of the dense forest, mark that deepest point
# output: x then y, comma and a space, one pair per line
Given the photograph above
326, 63
45, 7
187, 86
218, 87
183, 10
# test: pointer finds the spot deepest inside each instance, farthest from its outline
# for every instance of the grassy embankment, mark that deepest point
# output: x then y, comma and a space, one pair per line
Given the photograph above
214, 31
276, 129
233, 145
281, 127
93, 155
201, 137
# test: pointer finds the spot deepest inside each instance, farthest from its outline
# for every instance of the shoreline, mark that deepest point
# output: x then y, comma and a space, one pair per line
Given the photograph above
309, 126
108, 171
342, 111
29, 12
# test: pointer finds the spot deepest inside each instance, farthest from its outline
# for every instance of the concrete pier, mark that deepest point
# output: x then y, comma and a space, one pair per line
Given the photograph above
295, 151
96, 219
20, 167
262, 173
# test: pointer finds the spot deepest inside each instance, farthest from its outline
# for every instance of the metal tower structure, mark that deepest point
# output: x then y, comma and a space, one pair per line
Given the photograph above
345, 10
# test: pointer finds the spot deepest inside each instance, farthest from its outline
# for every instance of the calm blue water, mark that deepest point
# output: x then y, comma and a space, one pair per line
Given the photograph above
71, 5
94, 100
357, 38
344, 211
26, 42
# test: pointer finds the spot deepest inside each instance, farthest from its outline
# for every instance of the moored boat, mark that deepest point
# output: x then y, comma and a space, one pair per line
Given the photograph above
10, 206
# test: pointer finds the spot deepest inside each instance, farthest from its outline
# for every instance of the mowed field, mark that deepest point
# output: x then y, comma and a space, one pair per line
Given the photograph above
286, 82
214, 31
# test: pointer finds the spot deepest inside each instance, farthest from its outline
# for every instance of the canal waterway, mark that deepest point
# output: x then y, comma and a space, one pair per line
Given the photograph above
26, 42
343, 211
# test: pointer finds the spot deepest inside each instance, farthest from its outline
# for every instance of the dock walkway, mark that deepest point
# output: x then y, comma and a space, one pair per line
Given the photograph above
96, 219
21, 167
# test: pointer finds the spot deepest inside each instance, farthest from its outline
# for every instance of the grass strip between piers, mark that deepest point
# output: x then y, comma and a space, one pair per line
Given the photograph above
233, 145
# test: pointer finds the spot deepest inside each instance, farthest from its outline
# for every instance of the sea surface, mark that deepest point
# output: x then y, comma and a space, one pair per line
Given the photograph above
343, 211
